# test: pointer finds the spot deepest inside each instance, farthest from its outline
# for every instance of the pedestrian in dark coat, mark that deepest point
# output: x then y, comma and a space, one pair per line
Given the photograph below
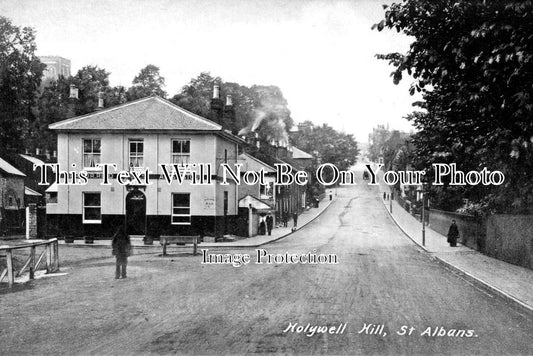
295, 218
121, 250
270, 223
285, 217
262, 225
453, 234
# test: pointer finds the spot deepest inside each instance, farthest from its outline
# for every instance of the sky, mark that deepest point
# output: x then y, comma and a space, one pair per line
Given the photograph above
320, 53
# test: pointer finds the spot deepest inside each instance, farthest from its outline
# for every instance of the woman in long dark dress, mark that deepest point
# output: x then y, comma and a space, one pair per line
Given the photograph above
121, 250
453, 234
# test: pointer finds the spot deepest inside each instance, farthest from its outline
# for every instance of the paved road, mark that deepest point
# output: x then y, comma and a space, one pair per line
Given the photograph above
177, 305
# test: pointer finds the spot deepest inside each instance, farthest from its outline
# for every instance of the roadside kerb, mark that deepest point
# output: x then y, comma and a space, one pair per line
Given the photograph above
305, 224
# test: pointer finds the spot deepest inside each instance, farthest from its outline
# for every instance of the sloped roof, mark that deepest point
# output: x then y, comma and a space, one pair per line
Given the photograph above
52, 188
29, 191
256, 203
299, 154
9, 169
150, 113
254, 164
33, 160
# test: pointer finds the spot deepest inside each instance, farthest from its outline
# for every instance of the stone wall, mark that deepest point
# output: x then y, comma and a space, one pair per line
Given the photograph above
510, 238
471, 229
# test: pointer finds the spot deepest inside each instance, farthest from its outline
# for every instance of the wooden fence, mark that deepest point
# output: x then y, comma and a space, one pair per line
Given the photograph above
50, 251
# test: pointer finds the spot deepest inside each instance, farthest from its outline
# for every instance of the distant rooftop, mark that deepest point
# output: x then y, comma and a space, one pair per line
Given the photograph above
299, 154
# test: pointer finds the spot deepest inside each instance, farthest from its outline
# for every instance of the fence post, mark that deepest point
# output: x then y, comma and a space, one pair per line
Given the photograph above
32, 262
10, 273
195, 245
48, 258
56, 255
31, 221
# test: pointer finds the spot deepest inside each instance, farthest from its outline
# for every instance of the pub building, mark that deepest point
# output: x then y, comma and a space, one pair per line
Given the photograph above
136, 136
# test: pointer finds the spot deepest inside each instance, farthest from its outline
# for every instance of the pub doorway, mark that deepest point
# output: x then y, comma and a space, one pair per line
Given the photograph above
136, 213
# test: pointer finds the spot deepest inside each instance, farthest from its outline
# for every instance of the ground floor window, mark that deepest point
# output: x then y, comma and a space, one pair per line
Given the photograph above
92, 208
51, 198
181, 209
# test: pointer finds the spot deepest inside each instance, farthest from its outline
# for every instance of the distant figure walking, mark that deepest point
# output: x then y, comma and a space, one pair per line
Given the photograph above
121, 250
270, 223
453, 234
295, 218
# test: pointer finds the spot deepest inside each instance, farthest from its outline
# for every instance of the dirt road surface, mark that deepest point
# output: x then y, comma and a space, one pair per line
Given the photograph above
176, 305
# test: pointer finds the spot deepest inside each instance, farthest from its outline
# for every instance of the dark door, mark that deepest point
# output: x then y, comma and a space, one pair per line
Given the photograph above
135, 213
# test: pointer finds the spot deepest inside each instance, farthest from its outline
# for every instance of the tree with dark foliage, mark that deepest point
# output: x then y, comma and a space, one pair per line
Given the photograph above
472, 61
20, 77
146, 83
258, 108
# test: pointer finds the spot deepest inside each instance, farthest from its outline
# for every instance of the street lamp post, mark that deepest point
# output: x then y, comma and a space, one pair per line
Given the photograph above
391, 196
423, 213
423, 219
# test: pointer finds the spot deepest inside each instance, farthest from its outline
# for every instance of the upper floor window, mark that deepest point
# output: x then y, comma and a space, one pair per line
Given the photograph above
91, 152
181, 151
136, 153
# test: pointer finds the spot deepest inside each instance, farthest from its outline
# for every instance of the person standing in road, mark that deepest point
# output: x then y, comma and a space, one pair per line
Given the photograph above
453, 234
269, 223
295, 218
121, 250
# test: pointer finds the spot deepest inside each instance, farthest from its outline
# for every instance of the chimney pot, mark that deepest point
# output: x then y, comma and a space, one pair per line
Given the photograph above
100, 100
229, 100
73, 92
216, 91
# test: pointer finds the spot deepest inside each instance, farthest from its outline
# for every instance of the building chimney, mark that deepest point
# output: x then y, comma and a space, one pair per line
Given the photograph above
73, 98
73, 92
228, 118
100, 101
217, 106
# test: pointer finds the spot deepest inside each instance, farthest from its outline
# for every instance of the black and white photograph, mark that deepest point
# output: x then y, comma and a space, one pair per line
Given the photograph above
277, 177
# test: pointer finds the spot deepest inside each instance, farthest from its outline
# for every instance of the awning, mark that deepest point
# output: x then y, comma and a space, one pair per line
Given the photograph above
9, 169
29, 191
249, 200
